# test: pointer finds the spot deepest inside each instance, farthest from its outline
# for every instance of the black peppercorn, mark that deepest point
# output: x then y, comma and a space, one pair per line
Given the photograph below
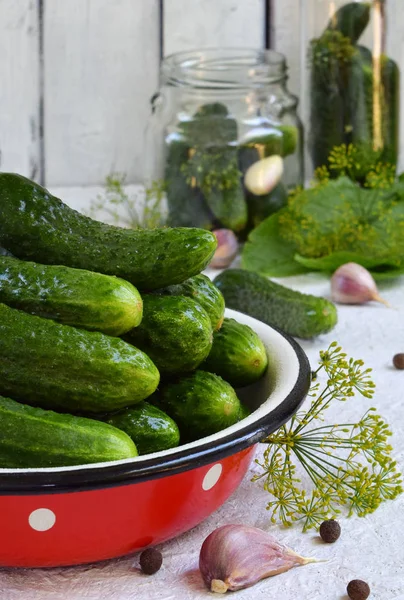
150, 561
358, 590
398, 360
330, 531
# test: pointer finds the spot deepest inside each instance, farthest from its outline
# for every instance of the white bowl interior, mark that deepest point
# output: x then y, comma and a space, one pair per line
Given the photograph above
263, 397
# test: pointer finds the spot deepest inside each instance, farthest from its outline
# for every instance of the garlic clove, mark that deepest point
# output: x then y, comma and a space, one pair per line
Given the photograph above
264, 175
227, 248
234, 557
353, 284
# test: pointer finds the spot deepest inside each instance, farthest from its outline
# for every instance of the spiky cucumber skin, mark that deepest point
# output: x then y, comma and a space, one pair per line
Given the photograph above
62, 368
149, 427
201, 404
300, 315
71, 296
175, 332
201, 289
35, 438
237, 355
34, 225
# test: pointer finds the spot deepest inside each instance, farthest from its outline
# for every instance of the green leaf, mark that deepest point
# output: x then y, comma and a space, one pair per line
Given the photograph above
331, 262
265, 252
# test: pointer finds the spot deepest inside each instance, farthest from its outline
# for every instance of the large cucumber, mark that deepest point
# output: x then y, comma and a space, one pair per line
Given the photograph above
33, 438
175, 332
63, 368
149, 427
34, 225
201, 289
238, 354
302, 315
70, 296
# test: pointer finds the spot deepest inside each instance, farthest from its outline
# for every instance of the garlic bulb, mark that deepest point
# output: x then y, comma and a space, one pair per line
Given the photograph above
227, 248
264, 175
353, 284
234, 557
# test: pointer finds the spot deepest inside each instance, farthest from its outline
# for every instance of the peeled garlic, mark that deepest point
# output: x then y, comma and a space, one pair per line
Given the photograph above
264, 175
353, 284
234, 557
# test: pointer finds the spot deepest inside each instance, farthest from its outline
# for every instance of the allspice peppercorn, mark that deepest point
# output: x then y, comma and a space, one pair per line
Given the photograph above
398, 360
150, 561
330, 531
358, 590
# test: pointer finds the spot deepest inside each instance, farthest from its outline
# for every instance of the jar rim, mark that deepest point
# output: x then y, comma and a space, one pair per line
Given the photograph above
223, 68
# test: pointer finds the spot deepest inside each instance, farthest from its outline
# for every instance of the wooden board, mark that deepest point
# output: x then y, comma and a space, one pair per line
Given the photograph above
207, 23
19, 88
101, 68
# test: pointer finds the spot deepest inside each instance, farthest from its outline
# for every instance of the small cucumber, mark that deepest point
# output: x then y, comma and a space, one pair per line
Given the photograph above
149, 427
301, 315
34, 438
201, 404
175, 332
351, 20
70, 296
59, 367
34, 225
238, 355
201, 289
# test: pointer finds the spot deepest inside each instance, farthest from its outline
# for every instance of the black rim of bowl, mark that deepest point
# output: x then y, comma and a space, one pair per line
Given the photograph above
185, 459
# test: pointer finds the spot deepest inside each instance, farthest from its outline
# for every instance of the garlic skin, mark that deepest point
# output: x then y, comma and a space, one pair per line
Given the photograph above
227, 248
264, 175
353, 284
234, 557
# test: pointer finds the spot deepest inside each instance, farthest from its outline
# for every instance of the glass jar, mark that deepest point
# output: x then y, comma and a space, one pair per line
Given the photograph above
216, 113
351, 92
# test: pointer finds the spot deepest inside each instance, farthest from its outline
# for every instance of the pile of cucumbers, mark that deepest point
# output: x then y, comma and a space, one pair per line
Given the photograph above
112, 342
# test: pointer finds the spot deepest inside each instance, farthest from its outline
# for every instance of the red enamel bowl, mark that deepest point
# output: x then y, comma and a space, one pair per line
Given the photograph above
72, 515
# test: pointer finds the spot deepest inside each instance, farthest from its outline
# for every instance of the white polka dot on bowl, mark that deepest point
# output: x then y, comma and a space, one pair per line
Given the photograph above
42, 519
212, 477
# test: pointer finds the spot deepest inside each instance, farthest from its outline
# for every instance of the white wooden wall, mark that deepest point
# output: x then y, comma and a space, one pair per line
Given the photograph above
77, 75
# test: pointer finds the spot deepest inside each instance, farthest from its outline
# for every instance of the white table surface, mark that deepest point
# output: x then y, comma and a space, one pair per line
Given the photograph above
370, 548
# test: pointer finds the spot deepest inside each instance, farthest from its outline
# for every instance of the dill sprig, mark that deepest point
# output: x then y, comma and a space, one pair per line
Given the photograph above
140, 210
349, 465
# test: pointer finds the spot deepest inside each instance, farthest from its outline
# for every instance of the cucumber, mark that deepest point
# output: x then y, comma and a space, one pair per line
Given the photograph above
34, 438
59, 367
175, 332
351, 20
149, 427
201, 404
186, 204
70, 296
297, 314
201, 289
237, 355
34, 225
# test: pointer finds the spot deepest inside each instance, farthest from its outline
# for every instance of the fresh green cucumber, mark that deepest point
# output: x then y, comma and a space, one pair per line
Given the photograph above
70, 296
201, 289
72, 370
351, 20
175, 332
149, 427
34, 225
34, 438
237, 355
297, 314
201, 404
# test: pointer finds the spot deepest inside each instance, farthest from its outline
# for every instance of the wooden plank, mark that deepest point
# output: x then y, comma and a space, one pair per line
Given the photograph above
209, 23
101, 68
19, 88
287, 40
